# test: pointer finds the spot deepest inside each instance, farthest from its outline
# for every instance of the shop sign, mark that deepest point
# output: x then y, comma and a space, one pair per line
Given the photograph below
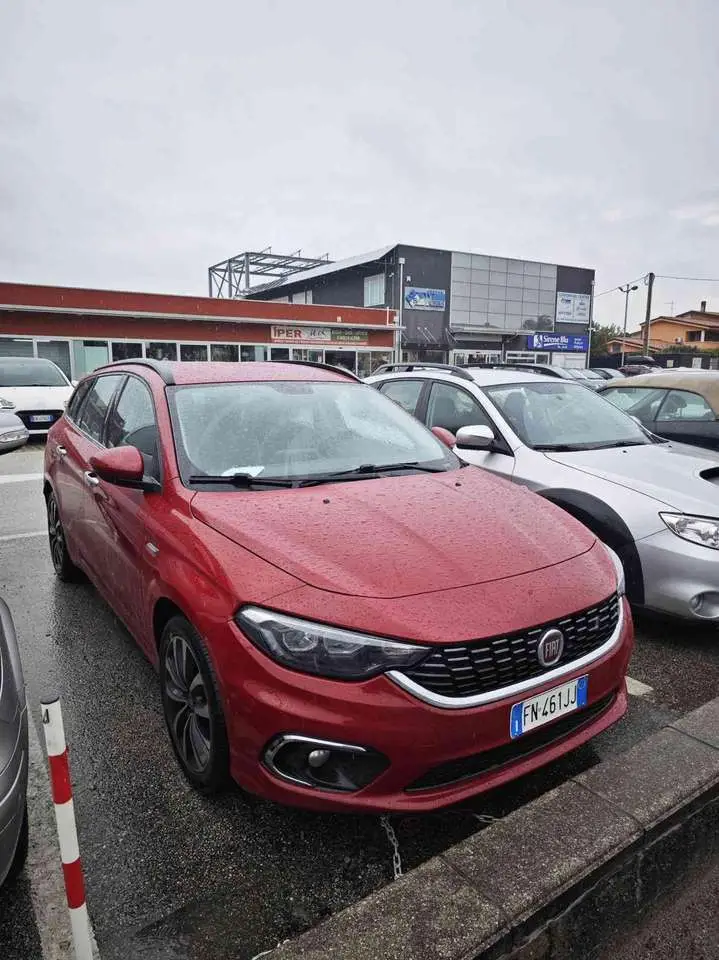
573, 307
558, 342
424, 298
303, 335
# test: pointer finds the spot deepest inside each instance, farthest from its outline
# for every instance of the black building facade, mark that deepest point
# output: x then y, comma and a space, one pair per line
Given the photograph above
459, 306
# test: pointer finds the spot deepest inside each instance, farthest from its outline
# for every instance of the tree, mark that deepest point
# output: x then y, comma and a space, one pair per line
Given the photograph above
602, 335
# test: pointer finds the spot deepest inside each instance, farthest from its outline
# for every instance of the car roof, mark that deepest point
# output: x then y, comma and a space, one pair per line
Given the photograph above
26, 360
482, 376
706, 384
248, 371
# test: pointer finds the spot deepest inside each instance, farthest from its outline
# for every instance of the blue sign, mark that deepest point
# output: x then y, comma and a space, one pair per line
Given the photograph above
559, 342
424, 298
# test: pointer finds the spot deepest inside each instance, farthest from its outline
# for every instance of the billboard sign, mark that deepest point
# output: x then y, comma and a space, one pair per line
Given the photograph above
573, 307
304, 335
424, 298
558, 342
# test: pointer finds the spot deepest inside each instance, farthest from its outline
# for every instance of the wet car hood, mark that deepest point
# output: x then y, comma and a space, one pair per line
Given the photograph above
676, 475
398, 536
37, 398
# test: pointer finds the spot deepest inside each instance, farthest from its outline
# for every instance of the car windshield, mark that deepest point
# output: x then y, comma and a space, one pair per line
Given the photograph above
562, 415
290, 430
30, 373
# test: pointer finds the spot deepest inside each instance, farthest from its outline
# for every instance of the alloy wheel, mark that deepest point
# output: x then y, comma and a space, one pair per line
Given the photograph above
187, 705
56, 534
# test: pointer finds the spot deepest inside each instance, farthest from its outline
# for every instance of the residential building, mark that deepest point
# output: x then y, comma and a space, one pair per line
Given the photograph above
698, 329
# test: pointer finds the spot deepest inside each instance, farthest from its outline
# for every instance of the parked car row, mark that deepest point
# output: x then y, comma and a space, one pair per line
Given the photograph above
343, 613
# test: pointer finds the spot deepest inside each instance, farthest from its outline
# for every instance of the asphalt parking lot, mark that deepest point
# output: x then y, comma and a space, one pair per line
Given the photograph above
173, 875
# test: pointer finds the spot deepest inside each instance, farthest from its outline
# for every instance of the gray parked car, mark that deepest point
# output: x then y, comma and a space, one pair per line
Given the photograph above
654, 502
13, 753
13, 432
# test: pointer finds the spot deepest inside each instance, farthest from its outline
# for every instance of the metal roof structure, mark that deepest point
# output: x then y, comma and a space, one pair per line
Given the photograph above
232, 278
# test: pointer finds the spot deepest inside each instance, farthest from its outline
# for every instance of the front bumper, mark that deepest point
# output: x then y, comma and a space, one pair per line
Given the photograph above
680, 578
263, 700
13, 789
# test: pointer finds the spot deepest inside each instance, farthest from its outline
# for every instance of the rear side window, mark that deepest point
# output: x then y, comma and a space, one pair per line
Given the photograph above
685, 405
403, 392
75, 401
94, 409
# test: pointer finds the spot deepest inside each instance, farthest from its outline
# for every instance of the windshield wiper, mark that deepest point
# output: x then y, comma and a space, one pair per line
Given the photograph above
569, 447
243, 480
559, 447
368, 471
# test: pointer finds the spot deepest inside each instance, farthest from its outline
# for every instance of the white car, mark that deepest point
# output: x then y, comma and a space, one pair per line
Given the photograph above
34, 390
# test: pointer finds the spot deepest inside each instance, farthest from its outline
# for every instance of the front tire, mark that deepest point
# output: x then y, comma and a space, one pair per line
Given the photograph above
192, 708
65, 569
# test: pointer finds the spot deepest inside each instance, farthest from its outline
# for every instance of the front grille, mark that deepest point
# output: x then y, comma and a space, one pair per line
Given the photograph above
456, 770
482, 666
25, 416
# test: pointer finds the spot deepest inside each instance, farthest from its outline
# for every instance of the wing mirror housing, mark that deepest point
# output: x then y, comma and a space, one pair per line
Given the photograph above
476, 437
445, 436
123, 467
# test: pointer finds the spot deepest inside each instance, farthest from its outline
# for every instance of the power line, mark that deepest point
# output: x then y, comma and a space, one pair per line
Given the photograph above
616, 289
663, 276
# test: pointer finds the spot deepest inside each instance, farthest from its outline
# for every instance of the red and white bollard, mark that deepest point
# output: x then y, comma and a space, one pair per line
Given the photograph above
66, 830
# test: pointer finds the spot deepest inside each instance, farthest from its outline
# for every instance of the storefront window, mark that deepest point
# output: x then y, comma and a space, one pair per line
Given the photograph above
364, 364
224, 352
280, 353
377, 358
312, 356
342, 358
161, 351
126, 351
193, 351
254, 353
88, 355
15, 347
58, 351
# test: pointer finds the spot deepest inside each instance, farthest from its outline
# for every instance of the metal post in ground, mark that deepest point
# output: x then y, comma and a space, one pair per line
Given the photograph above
54, 730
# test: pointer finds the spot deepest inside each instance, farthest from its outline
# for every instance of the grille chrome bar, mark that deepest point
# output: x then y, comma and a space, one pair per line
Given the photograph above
507, 690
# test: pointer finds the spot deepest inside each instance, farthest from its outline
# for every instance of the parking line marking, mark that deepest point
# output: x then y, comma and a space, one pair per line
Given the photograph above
23, 536
638, 689
19, 477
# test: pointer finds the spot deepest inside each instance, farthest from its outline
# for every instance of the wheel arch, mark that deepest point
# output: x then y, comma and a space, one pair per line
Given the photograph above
609, 526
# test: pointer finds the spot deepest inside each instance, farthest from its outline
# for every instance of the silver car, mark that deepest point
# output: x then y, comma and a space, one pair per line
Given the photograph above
655, 503
13, 432
13, 753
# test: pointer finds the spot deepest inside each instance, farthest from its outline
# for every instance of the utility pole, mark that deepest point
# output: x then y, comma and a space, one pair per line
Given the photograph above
626, 291
648, 315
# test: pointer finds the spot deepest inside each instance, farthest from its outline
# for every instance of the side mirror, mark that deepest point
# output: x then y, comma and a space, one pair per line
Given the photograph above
446, 436
124, 467
475, 438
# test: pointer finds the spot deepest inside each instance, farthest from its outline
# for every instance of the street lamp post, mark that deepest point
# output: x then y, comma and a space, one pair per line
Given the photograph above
626, 291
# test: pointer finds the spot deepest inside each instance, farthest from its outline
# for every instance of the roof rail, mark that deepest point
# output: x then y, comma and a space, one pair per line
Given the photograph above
160, 367
418, 365
323, 366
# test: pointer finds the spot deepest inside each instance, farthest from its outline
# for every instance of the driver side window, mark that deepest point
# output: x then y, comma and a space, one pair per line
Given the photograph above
451, 407
132, 423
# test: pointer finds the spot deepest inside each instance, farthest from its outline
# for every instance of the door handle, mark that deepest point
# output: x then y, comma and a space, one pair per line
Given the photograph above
91, 479
60, 450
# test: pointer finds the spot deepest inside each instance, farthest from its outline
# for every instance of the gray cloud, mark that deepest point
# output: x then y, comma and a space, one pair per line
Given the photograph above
142, 141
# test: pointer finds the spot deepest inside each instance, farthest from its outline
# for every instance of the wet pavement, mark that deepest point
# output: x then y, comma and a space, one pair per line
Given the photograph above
171, 874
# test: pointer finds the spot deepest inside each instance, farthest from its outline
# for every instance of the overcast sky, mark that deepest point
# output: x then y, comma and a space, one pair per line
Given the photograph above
142, 140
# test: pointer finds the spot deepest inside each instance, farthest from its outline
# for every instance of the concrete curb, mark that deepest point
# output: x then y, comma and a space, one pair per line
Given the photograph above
557, 878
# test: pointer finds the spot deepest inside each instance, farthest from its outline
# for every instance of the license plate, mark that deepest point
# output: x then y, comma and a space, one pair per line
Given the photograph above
530, 714
42, 418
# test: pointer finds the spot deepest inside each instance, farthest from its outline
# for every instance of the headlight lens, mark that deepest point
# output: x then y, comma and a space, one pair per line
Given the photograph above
12, 437
6, 404
323, 650
701, 530
619, 567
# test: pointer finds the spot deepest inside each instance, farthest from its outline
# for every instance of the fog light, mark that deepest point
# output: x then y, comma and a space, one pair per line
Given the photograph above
323, 764
705, 605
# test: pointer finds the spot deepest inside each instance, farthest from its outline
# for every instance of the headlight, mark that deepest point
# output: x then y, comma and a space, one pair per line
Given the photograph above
323, 650
12, 437
619, 567
6, 404
701, 530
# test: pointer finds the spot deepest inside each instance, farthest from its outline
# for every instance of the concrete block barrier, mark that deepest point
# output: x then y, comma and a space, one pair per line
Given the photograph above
558, 878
